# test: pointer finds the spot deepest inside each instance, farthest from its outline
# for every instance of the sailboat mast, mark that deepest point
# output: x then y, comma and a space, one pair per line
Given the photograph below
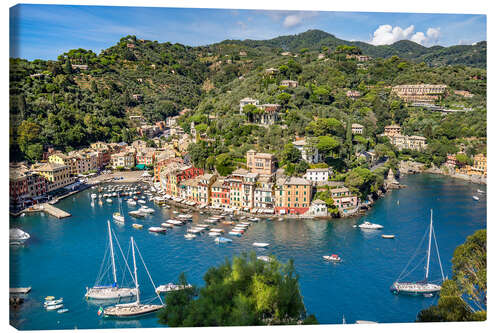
135, 270
428, 250
112, 253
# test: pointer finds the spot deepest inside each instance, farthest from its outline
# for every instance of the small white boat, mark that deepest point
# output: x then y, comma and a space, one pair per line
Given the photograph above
388, 236
260, 244
217, 230
54, 307
109, 200
480, 191
235, 233
62, 310
146, 209
332, 258
137, 213
53, 302
141, 201
475, 198
369, 225
157, 229
118, 217
189, 236
165, 288
137, 226
175, 222
214, 234
17, 235
93, 195
264, 258
131, 202
223, 240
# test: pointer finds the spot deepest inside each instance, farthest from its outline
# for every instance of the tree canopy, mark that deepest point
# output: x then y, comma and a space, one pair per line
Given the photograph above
241, 292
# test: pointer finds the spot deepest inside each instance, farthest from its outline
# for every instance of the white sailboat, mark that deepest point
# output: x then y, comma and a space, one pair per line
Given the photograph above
135, 308
118, 216
110, 292
422, 287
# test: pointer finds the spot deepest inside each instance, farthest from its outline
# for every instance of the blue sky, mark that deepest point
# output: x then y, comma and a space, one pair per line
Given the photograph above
46, 31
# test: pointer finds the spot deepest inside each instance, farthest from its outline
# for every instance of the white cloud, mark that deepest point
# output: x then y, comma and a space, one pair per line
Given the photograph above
386, 34
291, 19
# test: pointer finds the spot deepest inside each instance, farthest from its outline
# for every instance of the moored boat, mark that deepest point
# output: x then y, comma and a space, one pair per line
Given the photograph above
136, 308
369, 225
189, 236
113, 291
475, 198
18, 235
332, 258
137, 226
388, 236
166, 288
257, 244
424, 287
157, 229
222, 240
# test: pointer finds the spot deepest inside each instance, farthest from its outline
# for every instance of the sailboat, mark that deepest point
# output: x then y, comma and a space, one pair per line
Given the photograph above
113, 291
118, 216
135, 308
422, 287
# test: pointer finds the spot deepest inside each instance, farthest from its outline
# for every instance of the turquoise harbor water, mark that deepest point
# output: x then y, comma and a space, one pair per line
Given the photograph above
64, 256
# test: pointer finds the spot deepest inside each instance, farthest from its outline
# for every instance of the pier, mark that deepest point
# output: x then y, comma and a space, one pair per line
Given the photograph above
19, 290
49, 209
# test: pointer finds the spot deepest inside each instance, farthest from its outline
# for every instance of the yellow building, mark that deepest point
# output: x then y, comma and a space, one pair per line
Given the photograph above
292, 195
59, 158
57, 175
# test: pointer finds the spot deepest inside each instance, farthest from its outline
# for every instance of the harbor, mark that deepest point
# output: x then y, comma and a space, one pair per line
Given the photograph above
330, 289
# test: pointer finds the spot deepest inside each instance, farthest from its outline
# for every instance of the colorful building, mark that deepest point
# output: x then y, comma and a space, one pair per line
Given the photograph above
220, 194
343, 198
292, 195
261, 163
57, 175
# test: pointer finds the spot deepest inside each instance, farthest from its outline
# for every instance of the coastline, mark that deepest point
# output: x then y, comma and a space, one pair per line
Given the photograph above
410, 167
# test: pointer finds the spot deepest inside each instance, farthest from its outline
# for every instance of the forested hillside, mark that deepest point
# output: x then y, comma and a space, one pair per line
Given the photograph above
83, 97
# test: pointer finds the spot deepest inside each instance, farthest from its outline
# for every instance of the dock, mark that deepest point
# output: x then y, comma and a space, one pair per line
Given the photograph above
49, 209
21, 290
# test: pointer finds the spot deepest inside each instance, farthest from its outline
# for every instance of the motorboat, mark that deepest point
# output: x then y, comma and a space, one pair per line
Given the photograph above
54, 307
109, 200
234, 233
175, 222
131, 202
137, 226
147, 209
137, 213
214, 234
264, 258
53, 302
217, 230
141, 201
475, 198
166, 288
189, 236
18, 236
260, 244
369, 225
223, 240
158, 229
332, 258
480, 191
62, 310
194, 230
93, 195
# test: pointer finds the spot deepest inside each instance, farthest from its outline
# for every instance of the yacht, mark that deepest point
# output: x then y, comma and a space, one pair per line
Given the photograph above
332, 258
18, 236
369, 225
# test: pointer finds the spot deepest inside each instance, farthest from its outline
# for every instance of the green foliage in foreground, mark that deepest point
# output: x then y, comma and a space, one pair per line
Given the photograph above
244, 292
463, 298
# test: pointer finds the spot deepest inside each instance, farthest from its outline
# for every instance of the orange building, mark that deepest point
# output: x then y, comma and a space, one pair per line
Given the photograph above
292, 195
